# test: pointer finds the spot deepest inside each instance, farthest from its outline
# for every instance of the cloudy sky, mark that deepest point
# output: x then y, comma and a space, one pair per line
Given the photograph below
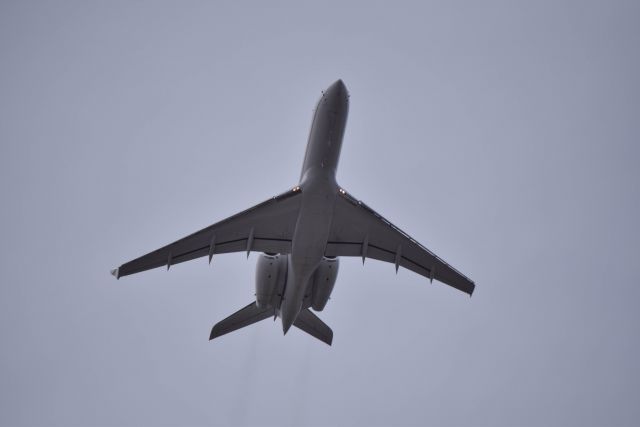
504, 136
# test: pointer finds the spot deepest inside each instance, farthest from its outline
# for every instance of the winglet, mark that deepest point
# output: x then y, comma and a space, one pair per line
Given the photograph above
116, 273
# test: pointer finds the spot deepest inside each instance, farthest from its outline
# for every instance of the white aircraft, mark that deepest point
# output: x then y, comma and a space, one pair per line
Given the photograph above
302, 233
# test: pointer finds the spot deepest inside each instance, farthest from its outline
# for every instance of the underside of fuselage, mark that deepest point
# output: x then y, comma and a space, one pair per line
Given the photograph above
318, 191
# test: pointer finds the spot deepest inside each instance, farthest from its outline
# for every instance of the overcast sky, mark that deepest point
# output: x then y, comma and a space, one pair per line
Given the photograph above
505, 137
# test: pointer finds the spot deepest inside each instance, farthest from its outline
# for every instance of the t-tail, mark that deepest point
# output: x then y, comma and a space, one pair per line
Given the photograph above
271, 281
306, 321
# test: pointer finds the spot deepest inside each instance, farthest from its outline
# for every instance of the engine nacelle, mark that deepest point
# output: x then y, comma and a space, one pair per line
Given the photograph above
323, 281
271, 275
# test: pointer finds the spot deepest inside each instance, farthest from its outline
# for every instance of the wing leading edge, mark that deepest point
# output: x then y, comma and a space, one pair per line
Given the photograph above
266, 227
357, 230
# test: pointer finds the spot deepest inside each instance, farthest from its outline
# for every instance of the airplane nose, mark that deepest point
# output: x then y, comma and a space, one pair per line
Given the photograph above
337, 96
339, 88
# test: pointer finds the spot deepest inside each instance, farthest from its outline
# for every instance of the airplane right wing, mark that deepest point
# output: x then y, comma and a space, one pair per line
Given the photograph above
266, 227
357, 230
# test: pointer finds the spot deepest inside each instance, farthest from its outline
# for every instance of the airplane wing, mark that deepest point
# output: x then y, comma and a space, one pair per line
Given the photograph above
266, 227
357, 230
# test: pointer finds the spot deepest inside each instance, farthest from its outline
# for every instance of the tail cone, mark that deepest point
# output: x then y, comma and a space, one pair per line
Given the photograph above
288, 313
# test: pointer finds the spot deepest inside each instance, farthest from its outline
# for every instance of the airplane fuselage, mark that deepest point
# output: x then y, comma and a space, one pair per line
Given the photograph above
318, 190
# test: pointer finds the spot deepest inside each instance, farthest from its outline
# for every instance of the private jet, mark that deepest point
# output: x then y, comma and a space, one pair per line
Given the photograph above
301, 235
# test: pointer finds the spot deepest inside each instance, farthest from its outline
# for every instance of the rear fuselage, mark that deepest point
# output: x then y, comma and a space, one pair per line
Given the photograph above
318, 190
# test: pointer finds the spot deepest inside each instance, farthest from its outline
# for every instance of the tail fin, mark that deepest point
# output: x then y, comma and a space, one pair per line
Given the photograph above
241, 318
311, 324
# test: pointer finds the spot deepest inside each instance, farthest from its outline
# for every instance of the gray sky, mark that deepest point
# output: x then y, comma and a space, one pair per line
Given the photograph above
503, 136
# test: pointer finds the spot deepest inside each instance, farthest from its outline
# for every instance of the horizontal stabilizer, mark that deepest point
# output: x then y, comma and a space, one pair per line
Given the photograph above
311, 324
241, 318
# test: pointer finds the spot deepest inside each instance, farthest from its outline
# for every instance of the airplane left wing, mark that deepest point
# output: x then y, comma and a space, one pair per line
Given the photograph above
266, 227
357, 230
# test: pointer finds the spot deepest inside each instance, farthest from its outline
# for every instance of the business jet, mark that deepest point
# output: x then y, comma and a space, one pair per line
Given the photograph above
301, 235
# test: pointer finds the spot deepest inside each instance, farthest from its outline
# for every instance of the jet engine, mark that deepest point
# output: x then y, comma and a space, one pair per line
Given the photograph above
271, 276
323, 280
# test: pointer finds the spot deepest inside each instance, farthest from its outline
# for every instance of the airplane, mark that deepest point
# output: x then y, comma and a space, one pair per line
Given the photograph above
301, 234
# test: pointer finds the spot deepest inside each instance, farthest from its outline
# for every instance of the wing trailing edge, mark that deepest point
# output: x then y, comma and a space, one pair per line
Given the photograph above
266, 227
359, 231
